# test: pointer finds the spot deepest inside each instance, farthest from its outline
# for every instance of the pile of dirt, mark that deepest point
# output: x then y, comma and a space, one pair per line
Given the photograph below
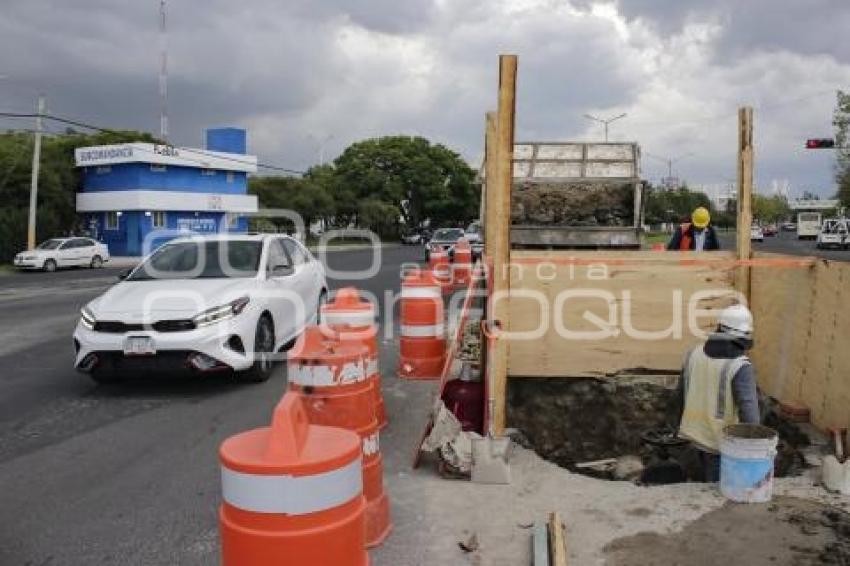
568, 421
787, 531
573, 204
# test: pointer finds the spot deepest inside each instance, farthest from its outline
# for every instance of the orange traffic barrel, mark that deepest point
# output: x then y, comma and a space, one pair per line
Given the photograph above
331, 378
292, 494
422, 347
438, 263
462, 267
349, 318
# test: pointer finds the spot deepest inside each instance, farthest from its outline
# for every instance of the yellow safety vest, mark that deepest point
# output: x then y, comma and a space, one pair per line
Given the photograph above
709, 403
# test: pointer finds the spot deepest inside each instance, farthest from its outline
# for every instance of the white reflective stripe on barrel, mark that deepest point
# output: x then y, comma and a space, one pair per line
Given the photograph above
421, 293
420, 331
319, 376
292, 495
353, 318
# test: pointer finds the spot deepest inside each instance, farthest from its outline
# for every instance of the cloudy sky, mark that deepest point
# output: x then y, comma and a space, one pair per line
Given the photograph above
306, 74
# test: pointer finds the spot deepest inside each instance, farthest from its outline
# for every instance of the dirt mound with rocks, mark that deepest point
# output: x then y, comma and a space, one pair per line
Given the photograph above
572, 204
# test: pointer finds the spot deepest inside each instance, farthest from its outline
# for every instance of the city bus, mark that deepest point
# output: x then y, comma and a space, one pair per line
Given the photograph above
808, 225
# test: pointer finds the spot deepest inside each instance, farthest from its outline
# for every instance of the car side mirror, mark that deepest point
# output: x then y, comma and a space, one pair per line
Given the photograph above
282, 270
125, 273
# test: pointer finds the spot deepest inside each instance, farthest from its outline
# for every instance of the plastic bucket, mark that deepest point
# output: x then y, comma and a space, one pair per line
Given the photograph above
746, 463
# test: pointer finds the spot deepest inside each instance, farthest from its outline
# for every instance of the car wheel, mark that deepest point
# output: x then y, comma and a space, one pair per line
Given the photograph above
50, 265
263, 365
96, 262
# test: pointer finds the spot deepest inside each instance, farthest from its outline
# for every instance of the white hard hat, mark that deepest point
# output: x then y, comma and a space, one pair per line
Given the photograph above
737, 321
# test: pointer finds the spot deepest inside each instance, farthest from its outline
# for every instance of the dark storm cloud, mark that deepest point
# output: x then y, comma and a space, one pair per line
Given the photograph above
299, 71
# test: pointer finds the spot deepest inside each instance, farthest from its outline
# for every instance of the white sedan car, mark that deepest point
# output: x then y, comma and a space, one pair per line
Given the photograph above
223, 302
756, 234
64, 252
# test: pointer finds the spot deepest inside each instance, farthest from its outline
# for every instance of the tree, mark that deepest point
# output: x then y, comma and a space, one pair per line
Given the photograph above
59, 180
306, 196
673, 206
422, 181
841, 123
770, 209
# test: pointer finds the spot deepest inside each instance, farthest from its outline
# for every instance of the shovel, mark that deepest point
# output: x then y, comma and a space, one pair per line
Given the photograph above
490, 453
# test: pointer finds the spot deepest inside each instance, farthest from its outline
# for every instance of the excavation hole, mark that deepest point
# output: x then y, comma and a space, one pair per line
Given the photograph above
599, 427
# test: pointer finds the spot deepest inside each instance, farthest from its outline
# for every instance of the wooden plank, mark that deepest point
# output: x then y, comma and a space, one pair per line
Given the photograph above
837, 406
499, 216
540, 545
745, 196
782, 311
629, 301
557, 540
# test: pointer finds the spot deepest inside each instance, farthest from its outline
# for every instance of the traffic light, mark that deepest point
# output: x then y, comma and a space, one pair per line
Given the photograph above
820, 143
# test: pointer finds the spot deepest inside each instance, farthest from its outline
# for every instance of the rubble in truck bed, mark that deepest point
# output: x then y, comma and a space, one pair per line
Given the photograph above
573, 204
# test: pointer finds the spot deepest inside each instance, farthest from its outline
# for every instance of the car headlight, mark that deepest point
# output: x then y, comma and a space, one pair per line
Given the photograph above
87, 318
218, 314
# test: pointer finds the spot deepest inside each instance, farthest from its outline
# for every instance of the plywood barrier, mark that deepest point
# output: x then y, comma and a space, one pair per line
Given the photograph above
802, 351
596, 313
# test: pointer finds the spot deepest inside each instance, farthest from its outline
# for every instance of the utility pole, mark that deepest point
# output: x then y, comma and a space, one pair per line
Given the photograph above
605, 121
36, 162
669, 161
163, 75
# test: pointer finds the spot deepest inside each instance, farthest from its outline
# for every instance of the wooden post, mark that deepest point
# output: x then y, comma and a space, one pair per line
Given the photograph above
499, 232
745, 197
491, 158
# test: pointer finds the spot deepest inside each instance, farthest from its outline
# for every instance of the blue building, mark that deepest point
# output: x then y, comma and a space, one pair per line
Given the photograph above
135, 196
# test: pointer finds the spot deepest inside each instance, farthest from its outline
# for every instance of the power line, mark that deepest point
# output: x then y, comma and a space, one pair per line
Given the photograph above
79, 124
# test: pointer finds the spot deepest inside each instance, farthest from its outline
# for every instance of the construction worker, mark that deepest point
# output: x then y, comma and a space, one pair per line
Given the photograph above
697, 235
717, 387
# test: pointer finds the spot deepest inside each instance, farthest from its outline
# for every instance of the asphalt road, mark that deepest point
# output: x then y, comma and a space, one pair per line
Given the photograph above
786, 243
128, 474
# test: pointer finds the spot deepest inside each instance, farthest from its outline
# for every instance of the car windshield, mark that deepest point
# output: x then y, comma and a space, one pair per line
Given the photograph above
50, 244
201, 260
448, 234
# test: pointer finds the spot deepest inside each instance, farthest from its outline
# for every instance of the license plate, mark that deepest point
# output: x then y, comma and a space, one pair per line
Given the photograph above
139, 346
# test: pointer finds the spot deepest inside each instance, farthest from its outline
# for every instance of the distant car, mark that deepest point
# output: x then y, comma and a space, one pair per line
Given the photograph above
834, 234
770, 230
789, 227
223, 302
412, 239
474, 235
55, 253
756, 234
444, 239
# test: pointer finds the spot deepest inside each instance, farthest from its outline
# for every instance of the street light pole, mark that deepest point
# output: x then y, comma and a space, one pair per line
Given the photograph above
605, 122
36, 162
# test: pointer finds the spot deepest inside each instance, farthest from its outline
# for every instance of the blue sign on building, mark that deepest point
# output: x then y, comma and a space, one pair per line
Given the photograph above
136, 196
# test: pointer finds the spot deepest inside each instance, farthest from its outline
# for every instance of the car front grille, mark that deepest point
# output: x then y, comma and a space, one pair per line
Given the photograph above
118, 327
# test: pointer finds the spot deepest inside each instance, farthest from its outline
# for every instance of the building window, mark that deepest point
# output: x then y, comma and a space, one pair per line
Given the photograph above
207, 172
232, 220
230, 176
103, 169
158, 219
111, 221
159, 168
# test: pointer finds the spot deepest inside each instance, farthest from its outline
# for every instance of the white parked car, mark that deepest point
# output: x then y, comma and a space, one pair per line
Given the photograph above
834, 234
54, 253
756, 234
222, 302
